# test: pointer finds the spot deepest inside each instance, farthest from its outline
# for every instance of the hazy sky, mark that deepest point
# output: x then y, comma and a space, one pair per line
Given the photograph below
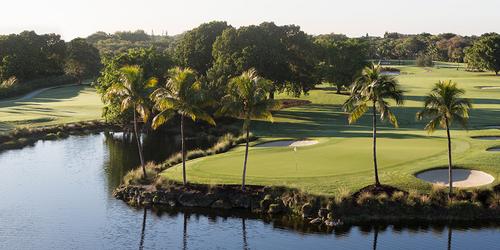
73, 18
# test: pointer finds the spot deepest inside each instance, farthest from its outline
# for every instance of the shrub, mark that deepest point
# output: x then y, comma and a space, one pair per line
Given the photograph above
424, 60
438, 196
365, 199
398, 196
494, 200
413, 198
481, 195
383, 198
135, 177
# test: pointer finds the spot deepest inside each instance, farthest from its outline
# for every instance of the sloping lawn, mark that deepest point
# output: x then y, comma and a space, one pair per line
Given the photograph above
342, 159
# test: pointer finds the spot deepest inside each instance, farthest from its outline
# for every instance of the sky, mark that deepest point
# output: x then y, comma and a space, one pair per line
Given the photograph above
80, 18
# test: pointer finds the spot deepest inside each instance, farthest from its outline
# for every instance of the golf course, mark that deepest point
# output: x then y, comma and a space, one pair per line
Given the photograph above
342, 158
51, 106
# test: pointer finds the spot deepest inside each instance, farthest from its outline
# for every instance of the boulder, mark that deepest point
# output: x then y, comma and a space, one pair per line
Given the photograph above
221, 204
195, 199
307, 210
323, 213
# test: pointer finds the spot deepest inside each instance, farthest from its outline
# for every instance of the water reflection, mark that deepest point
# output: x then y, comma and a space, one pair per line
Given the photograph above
244, 234
57, 195
123, 155
143, 230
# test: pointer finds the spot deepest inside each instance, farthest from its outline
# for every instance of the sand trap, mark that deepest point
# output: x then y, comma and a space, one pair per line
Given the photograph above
489, 138
489, 87
493, 149
461, 177
288, 143
492, 127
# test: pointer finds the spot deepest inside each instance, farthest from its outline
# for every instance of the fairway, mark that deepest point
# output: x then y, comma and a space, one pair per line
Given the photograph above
343, 156
52, 106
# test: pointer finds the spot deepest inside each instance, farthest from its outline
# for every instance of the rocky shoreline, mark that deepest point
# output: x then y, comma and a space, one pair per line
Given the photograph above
313, 209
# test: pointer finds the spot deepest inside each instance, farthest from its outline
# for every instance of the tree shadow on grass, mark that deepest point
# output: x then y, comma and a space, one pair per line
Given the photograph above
323, 120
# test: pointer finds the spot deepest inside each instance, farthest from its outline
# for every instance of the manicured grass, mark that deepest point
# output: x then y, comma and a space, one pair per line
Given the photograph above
53, 106
343, 157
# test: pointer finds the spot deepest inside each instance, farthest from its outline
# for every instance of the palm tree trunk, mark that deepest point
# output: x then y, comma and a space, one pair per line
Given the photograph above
246, 159
377, 182
139, 146
450, 166
183, 152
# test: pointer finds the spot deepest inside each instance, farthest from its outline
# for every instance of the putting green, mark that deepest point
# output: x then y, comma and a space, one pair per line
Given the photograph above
343, 157
53, 106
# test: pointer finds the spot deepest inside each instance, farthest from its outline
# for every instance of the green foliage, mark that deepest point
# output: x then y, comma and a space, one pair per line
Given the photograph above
341, 59
182, 94
374, 89
82, 60
485, 53
122, 41
247, 99
152, 64
282, 54
28, 56
445, 105
194, 50
424, 60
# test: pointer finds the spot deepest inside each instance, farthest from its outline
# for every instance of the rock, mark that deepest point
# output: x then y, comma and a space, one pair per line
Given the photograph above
265, 203
316, 221
221, 204
323, 213
275, 209
242, 202
195, 199
307, 210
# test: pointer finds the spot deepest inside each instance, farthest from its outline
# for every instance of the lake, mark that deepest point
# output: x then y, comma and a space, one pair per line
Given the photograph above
57, 195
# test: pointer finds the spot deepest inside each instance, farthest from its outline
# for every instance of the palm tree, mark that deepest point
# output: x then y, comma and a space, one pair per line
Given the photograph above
182, 94
132, 90
444, 105
247, 99
374, 89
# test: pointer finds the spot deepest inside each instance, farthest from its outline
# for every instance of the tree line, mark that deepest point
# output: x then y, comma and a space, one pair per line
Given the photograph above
28, 56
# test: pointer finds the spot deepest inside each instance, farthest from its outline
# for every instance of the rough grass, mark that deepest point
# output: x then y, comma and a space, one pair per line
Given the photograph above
53, 106
343, 159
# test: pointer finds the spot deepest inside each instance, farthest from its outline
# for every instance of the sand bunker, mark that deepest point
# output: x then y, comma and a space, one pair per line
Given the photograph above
488, 87
288, 143
461, 177
493, 149
489, 138
492, 127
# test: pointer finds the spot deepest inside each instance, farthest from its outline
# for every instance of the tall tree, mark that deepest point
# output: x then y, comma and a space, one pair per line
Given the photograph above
444, 105
485, 53
133, 91
341, 60
182, 94
374, 89
247, 99
282, 54
152, 63
82, 59
194, 50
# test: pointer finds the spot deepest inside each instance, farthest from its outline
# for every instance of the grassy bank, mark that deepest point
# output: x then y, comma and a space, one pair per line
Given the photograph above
53, 106
342, 158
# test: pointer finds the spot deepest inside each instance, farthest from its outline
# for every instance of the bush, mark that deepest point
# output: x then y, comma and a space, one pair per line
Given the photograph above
424, 60
438, 196
494, 200
398, 196
365, 199
135, 177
